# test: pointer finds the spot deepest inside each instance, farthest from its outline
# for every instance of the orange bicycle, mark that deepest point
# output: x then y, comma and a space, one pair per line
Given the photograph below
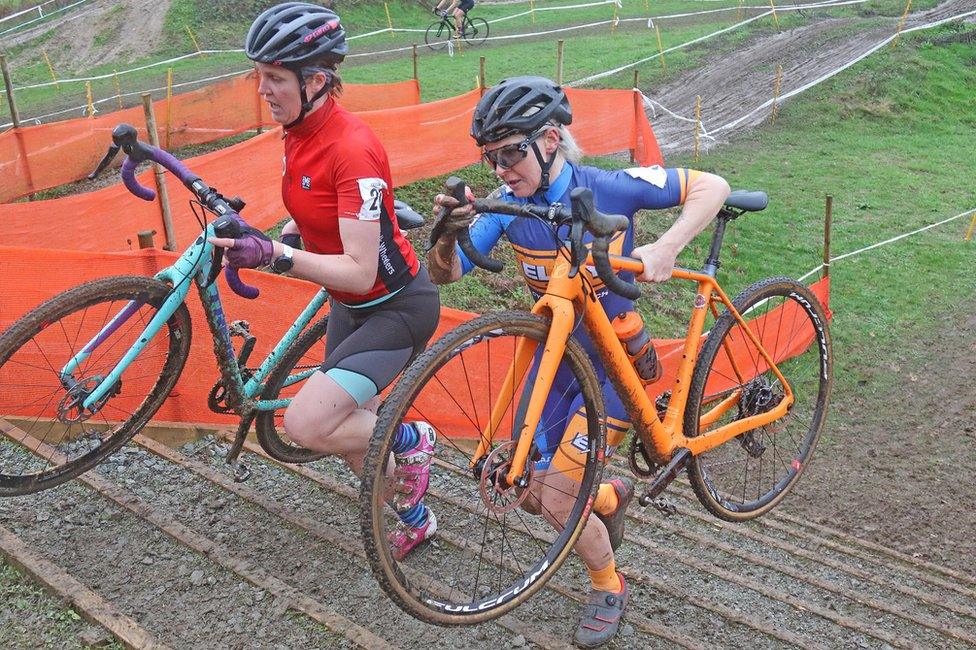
742, 417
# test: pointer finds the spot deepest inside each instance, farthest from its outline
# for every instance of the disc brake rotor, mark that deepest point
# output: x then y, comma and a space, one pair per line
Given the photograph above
498, 496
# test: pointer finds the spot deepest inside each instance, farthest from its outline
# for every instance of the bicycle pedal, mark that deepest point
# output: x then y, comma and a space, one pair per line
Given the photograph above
664, 506
241, 472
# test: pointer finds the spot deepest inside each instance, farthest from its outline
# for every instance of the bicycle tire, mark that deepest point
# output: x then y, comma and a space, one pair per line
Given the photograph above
437, 35
308, 351
475, 31
23, 374
411, 587
810, 374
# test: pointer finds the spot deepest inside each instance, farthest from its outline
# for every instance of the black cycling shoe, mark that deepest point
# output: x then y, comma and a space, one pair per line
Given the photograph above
614, 521
601, 616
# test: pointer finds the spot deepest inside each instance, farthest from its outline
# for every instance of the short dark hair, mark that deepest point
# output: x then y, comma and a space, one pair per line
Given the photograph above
330, 63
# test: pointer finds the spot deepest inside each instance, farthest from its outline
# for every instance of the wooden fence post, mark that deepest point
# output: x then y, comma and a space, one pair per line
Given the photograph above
169, 104
389, 21
775, 19
481, 74
828, 218
416, 78
559, 61
776, 88
162, 194
972, 227
118, 90
193, 39
50, 68
89, 99
901, 23
660, 48
8, 85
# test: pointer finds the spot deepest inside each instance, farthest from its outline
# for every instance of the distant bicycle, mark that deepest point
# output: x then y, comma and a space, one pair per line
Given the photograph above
474, 31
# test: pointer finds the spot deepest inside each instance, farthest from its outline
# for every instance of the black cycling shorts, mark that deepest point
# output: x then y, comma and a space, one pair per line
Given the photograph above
367, 347
466, 5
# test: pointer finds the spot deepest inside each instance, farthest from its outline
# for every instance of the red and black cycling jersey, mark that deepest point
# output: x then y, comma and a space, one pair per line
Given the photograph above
336, 168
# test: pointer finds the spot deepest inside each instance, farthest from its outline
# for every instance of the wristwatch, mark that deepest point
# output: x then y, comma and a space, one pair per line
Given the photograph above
283, 262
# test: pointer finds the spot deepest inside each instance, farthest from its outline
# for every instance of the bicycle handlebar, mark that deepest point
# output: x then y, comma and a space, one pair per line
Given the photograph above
582, 215
229, 222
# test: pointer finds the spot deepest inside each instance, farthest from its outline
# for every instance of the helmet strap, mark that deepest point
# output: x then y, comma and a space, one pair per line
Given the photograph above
307, 103
544, 165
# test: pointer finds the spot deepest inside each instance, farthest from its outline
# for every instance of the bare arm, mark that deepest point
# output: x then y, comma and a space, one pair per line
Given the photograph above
354, 270
705, 197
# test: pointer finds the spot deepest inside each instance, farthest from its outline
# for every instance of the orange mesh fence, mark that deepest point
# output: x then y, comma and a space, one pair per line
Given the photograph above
270, 315
422, 141
40, 157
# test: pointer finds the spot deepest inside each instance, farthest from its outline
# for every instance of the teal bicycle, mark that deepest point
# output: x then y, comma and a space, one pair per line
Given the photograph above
82, 373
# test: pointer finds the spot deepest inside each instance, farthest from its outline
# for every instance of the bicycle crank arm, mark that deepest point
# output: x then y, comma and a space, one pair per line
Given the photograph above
665, 476
241, 472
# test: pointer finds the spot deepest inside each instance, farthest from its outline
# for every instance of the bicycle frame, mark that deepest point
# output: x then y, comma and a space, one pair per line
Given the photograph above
564, 295
196, 262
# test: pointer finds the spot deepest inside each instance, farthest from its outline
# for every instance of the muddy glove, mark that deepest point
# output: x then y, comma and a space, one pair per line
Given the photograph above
449, 218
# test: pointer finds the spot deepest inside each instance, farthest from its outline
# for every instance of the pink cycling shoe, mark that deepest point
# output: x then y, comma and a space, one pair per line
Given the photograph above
412, 473
404, 538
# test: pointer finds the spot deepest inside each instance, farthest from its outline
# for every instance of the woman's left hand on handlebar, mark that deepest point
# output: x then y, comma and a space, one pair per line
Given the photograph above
658, 262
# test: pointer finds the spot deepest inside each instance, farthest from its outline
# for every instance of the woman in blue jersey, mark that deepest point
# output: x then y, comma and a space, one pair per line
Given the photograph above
522, 126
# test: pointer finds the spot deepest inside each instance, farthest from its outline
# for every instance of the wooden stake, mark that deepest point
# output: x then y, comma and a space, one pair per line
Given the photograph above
613, 21
15, 118
389, 21
532, 10
193, 38
169, 104
258, 105
740, 14
162, 194
416, 78
9, 86
145, 238
776, 87
697, 128
481, 74
828, 218
50, 69
636, 79
660, 48
901, 23
89, 99
775, 19
972, 227
560, 44
118, 90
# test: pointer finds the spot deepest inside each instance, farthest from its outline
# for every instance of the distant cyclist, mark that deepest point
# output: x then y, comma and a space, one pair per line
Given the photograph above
337, 188
521, 124
459, 8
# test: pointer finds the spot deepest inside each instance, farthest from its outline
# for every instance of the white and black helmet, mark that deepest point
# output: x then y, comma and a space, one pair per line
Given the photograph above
293, 34
519, 105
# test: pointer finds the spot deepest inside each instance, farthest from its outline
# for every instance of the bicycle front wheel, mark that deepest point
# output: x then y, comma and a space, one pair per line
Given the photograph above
475, 31
49, 437
748, 475
302, 359
437, 35
495, 549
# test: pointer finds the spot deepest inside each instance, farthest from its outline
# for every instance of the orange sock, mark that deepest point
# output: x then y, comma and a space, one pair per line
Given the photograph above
606, 579
606, 499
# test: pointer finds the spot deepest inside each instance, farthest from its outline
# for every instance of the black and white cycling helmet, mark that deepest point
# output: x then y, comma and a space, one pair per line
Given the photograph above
519, 105
295, 35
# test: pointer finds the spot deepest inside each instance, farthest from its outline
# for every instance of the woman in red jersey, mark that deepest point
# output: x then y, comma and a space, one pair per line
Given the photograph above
383, 307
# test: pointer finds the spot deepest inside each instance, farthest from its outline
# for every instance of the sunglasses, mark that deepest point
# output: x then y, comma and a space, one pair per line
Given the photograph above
511, 154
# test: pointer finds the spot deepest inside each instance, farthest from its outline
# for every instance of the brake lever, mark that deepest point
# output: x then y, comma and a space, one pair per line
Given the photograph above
577, 251
113, 151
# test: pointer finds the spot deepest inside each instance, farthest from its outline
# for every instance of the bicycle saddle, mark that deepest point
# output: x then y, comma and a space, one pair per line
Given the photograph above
748, 201
407, 217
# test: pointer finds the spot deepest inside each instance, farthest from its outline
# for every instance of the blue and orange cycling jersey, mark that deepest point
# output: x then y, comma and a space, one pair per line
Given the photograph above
614, 192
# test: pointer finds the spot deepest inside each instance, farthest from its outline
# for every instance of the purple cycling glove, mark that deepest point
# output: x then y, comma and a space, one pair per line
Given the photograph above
252, 250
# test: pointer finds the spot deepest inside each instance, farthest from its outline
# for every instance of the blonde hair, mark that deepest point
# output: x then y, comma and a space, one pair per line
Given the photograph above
567, 145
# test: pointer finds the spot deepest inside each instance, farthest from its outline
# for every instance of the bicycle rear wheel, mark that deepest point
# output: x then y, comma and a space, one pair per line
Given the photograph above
49, 438
299, 362
494, 553
748, 475
475, 31
437, 35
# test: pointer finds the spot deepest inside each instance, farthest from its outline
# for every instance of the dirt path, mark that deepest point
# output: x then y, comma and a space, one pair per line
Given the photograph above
731, 86
135, 28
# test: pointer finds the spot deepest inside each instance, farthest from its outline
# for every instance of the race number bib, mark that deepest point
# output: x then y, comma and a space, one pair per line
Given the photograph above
371, 191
